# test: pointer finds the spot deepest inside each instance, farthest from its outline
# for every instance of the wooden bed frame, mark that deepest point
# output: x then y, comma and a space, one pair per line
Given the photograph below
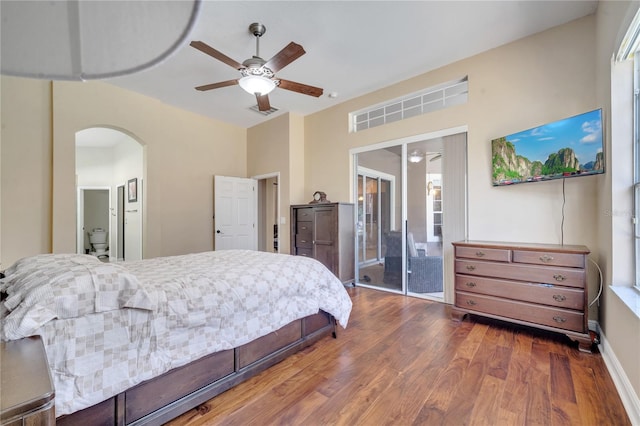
163, 398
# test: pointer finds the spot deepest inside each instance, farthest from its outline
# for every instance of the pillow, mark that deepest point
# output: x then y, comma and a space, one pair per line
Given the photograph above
42, 288
32, 264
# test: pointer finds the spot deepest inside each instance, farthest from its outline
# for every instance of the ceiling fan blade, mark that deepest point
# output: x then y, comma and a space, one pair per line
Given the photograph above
436, 157
263, 102
217, 85
290, 53
300, 88
205, 48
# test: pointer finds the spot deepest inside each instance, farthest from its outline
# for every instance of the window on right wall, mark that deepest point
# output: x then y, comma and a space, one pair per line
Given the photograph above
636, 163
629, 50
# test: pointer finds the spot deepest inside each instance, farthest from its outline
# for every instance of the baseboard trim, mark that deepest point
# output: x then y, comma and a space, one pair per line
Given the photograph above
627, 394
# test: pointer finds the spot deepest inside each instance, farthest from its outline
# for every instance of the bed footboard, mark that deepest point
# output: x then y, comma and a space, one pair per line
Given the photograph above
165, 397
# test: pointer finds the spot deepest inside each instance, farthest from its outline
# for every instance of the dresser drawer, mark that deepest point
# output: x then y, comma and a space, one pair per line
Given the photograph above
304, 240
305, 227
570, 260
304, 252
500, 255
563, 297
568, 277
537, 314
305, 214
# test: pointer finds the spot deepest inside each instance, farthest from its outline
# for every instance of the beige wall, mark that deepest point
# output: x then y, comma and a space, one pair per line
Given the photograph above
268, 152
518, 86
614, 91
274, 146
299, 193
25, 181
183, 151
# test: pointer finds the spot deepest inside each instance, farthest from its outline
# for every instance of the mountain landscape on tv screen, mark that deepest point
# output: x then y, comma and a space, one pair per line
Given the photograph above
550, 151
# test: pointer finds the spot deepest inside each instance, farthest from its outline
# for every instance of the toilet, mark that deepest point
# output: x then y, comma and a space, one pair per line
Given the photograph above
98, 240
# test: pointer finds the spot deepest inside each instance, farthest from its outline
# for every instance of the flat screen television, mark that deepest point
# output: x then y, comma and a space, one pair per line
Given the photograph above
570, 147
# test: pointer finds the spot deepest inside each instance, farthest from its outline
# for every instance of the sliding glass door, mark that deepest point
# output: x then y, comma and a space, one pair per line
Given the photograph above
377, 211
424, 219
373, 215
411, 199
368, 219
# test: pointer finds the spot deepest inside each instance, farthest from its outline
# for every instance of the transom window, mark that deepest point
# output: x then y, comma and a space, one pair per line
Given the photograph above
444, 95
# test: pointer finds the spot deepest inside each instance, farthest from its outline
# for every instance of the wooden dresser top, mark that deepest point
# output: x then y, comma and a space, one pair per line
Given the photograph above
26, 381
564, 248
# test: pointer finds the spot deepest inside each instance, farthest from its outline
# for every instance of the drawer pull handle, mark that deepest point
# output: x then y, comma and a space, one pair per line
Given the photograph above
303, 241
303, 227
559, 319
559, 277
559, 297
479, 253
470, 284
471, 268
546, 258
471, 303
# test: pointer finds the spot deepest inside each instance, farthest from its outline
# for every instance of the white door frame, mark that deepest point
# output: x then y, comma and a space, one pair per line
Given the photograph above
117, 253
376, 174
138, 209
278, 218
80, 215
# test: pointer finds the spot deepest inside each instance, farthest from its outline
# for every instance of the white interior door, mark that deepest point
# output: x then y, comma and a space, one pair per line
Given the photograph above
235, 213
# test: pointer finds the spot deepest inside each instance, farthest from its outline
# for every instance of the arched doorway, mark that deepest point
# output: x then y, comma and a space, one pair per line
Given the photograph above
109, 173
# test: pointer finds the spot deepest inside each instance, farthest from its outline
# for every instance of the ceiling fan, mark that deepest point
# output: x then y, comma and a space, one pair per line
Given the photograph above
258, 75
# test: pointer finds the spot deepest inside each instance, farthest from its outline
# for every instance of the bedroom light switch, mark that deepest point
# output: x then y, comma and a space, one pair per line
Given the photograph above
283, 220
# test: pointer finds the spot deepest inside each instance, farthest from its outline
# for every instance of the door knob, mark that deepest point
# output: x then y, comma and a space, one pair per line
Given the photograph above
218, 232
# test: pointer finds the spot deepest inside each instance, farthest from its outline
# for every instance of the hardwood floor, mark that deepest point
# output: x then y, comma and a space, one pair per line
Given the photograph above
403, 361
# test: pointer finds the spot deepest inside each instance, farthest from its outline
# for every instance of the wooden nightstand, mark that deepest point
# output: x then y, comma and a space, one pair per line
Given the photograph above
26, 392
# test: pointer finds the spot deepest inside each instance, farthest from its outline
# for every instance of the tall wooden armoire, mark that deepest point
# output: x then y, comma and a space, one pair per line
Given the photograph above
326, 232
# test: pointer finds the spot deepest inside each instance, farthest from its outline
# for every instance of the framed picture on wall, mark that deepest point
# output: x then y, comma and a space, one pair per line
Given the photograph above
133, 190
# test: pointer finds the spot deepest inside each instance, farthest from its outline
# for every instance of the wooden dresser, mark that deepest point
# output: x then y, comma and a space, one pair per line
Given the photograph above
539, 285
27, 393
326, 232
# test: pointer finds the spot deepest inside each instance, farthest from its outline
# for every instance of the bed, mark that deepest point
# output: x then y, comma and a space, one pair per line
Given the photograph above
142, 342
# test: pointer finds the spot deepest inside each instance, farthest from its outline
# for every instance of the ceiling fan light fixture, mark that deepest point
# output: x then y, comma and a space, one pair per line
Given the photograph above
415, 156
257, 84
258, 76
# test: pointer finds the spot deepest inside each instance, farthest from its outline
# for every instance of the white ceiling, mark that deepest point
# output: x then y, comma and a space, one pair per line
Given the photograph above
100, 137
353, 47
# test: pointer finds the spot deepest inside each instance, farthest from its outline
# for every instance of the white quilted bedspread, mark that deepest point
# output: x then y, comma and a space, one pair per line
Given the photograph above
201, 303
